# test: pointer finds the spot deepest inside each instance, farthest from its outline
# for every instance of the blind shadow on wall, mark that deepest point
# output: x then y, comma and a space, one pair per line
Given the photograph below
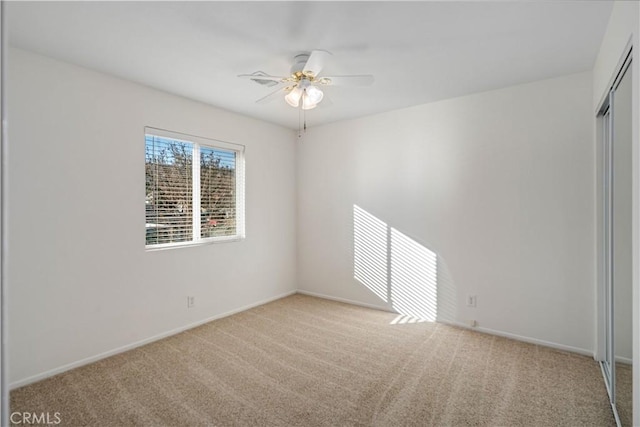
400, 271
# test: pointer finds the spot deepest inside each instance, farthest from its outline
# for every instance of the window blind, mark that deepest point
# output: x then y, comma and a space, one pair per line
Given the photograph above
194, 190
217, 192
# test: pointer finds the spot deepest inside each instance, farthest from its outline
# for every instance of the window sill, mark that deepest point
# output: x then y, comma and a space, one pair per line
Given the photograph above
166, 246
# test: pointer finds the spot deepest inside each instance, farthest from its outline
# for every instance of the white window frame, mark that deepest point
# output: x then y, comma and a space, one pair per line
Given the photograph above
197, 142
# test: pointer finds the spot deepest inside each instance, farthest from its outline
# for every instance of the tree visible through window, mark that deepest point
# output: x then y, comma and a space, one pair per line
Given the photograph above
194, 189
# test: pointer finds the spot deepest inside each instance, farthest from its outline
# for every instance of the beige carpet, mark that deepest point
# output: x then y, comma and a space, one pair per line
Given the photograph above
303, 361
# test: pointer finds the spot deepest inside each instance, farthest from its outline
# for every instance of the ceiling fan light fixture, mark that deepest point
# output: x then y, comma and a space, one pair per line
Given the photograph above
293, 97
314, 94
307, 102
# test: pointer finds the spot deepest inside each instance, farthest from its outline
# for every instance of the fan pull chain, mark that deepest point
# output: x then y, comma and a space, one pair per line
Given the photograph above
302, 122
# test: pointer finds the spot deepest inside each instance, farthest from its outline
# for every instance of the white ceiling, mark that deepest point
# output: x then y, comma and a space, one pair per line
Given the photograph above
419, 52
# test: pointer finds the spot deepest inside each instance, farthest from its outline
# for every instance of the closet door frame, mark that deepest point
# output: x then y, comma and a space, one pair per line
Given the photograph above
607, 360
605, 350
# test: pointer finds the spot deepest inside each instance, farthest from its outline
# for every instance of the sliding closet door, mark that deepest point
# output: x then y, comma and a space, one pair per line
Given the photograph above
608, 365
622, 245
615, 243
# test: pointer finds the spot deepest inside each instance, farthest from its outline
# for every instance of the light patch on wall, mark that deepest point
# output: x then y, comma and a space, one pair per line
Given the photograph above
370, 252
395, 268
414, 278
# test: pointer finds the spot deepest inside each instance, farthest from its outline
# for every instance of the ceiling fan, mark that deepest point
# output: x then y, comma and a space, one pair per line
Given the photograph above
302, 88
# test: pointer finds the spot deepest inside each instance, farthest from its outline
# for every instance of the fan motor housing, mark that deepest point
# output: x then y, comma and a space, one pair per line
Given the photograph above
299, 63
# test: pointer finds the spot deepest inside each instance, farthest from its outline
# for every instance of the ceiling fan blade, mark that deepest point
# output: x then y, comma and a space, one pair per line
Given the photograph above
272, 96
315, 62
261, 77
361, 80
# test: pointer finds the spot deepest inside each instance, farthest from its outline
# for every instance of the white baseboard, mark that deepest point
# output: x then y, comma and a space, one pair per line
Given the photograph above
624, 360
345, 300
86, 361
522, 338
462, 325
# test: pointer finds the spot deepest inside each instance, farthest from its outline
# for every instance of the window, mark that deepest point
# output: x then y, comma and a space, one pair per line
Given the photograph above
194, 190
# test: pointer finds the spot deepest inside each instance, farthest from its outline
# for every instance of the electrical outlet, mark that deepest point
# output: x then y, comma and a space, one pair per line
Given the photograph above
191, 302
471, 300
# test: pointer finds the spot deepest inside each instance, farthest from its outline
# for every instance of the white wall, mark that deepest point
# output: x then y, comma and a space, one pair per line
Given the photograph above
623, 29
4, 389
499, 185
81, 283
